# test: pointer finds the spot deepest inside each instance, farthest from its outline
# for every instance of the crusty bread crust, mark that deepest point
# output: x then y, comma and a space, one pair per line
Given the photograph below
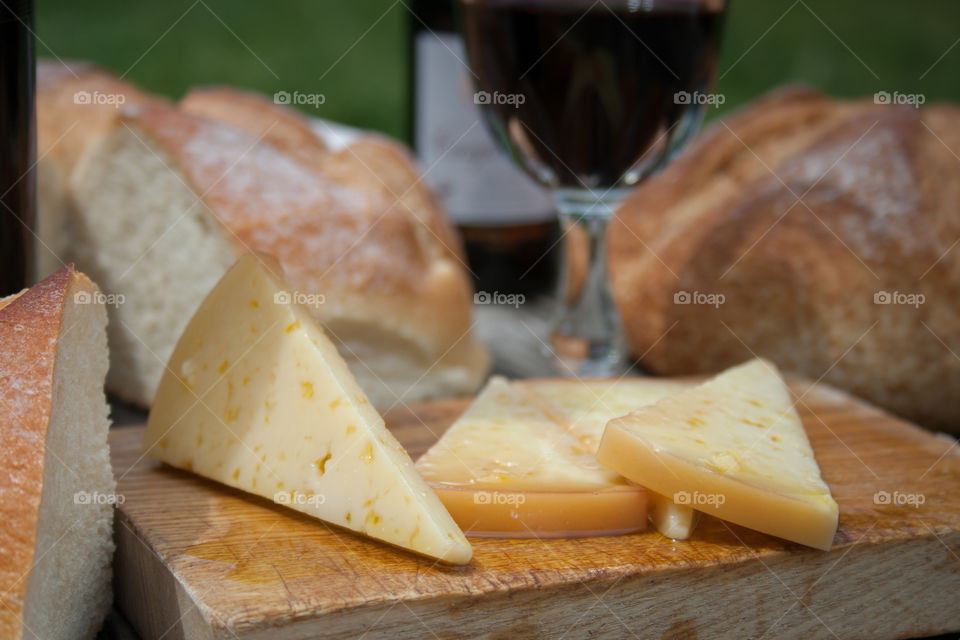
370, 163
66, 128
66, 125
280, 126
43, 410
376, 163
29, 331
799, 278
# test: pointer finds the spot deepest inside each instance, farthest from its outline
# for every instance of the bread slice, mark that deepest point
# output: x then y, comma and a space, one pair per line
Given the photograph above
56, 484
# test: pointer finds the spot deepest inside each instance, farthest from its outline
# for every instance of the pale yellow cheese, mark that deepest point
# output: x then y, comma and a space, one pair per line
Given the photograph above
733, 447
585, 407
673, 520
504, 468
256, 397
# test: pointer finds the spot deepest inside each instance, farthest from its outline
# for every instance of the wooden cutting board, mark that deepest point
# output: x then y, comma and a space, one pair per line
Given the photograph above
199, 560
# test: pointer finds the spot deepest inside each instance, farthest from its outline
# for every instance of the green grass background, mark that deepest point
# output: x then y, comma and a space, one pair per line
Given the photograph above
355, 52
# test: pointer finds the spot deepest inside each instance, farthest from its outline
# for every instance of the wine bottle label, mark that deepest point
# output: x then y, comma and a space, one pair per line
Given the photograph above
475, 180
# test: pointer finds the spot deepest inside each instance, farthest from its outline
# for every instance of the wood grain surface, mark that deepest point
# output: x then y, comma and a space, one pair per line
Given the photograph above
199, 560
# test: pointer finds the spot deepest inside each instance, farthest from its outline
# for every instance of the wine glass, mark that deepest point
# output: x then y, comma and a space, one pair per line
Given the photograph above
590, 99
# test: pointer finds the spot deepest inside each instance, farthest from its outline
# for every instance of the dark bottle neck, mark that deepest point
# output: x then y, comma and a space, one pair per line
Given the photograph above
17, 130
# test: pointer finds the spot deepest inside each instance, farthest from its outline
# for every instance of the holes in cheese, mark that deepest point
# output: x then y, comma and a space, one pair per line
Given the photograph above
504, 468
733, 445
256, 397
585, 407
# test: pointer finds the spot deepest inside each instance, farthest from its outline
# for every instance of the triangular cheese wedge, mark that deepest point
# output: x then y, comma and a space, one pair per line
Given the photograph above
733, 447
257, 397
585, 407
504, 468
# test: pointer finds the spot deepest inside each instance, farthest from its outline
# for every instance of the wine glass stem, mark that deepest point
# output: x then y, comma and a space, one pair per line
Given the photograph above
587, 339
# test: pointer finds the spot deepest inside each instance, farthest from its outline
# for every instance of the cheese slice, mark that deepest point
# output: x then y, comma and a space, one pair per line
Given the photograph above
585, 407
504, 468
256, 397
675, 521
733, 447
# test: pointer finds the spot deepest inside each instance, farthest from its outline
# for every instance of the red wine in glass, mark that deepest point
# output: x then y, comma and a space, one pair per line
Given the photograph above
590, 98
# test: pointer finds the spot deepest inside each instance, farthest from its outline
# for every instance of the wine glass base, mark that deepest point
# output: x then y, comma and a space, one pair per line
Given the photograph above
573, 356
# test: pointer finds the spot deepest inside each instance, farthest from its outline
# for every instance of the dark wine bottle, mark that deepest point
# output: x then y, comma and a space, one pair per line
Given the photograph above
508, 222
18, 133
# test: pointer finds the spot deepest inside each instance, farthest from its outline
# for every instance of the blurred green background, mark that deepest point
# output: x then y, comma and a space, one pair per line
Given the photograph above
356, 53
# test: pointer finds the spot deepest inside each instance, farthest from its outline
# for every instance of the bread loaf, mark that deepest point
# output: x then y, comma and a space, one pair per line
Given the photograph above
817, 233
166, 199
56, 484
